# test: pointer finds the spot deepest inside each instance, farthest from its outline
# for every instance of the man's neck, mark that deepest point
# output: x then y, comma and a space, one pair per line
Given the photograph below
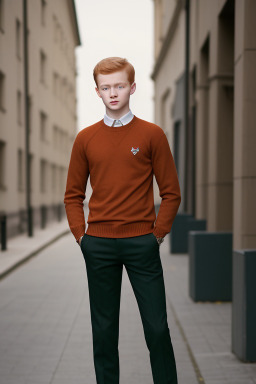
117, 114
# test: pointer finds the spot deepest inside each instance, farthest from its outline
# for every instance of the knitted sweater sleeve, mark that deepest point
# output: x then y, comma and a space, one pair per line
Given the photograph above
78, 173
169, 189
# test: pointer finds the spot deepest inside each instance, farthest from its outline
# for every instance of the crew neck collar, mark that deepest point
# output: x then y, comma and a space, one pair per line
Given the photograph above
119, 128
125, 119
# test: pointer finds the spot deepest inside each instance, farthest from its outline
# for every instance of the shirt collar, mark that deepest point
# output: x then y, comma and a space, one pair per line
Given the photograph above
122, 121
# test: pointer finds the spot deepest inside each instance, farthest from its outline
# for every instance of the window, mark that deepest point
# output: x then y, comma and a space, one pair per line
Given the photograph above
65, 147
18, 39
61, 39
43, 126
55, 30
56, 81
70, 143
54, 141
65, 46
42, 67
43, 12
58, 32
20, 169
2, 164
63, 143
60, 140
62, 179
54, 175
43, 175
71, 98
2, 15
60, 88
19, 108
2, 91
64, 90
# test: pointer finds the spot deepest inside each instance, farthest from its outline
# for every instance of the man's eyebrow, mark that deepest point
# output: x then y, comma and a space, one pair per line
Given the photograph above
122, 82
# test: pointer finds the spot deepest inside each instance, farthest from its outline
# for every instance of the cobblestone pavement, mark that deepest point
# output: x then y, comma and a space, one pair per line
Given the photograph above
45, 328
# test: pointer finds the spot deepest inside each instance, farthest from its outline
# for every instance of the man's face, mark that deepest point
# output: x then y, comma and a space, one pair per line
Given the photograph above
115, 91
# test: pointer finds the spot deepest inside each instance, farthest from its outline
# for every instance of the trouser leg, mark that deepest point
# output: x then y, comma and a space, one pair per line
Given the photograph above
104, 274
141, 258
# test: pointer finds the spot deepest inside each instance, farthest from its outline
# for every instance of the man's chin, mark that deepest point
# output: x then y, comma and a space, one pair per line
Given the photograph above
115, 107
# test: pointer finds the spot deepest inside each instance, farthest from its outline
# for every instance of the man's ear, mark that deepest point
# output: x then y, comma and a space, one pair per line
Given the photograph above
133, 88
97, 91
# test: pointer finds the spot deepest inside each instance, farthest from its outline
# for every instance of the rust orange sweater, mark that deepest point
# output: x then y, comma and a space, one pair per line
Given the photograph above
121, 162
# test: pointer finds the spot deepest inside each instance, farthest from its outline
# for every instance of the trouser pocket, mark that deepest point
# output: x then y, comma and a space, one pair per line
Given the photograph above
84, 243
155, 239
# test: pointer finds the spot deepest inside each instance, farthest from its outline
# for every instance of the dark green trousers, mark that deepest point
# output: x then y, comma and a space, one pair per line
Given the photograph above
104, 260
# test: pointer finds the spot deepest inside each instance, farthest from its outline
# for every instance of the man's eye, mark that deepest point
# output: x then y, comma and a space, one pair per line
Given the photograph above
120, 86
104, 89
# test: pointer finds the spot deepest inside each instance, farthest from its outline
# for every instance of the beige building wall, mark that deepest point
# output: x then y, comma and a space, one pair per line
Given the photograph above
169, 65
244, 204
222, 62
223, 49
212, 54
53, 36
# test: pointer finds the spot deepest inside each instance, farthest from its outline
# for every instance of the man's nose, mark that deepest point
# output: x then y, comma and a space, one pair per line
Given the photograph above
113, 92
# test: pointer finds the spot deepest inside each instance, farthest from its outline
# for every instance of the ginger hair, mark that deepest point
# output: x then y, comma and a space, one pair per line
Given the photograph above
111, 65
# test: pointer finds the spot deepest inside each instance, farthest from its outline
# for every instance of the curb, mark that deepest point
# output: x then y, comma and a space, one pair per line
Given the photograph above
31, 254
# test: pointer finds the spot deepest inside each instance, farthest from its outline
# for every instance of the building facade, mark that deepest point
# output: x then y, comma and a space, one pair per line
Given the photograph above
215, 149
168, 76
52, 37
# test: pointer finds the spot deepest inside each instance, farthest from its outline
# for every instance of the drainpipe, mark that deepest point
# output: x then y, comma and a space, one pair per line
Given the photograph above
26, 120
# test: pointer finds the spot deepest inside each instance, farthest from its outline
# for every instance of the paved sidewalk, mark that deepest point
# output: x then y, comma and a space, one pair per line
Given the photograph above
21, 248
45, 329
205, 328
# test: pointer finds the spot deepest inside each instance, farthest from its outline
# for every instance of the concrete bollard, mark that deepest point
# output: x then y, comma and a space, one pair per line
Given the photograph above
183, 223
244, 305
210, 266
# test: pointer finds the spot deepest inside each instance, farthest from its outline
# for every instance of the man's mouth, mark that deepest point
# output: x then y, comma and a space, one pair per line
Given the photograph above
113, 102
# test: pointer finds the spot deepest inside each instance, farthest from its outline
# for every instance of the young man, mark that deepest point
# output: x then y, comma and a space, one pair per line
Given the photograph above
121, 153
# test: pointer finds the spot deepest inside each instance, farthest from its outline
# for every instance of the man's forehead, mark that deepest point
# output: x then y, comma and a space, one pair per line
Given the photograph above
113, 78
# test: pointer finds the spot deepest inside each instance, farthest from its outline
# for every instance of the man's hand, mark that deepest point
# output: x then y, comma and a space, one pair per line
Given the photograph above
79, 241
159, 240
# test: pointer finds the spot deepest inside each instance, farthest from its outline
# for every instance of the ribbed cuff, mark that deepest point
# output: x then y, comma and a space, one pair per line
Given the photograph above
78, 231
158, 232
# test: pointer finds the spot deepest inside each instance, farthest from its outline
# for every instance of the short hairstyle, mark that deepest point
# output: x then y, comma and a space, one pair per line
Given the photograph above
111, 65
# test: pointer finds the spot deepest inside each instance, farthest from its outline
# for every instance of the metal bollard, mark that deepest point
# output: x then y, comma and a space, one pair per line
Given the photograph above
3, 231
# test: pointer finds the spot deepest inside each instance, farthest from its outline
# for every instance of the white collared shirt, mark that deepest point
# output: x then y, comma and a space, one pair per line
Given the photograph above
118, 122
